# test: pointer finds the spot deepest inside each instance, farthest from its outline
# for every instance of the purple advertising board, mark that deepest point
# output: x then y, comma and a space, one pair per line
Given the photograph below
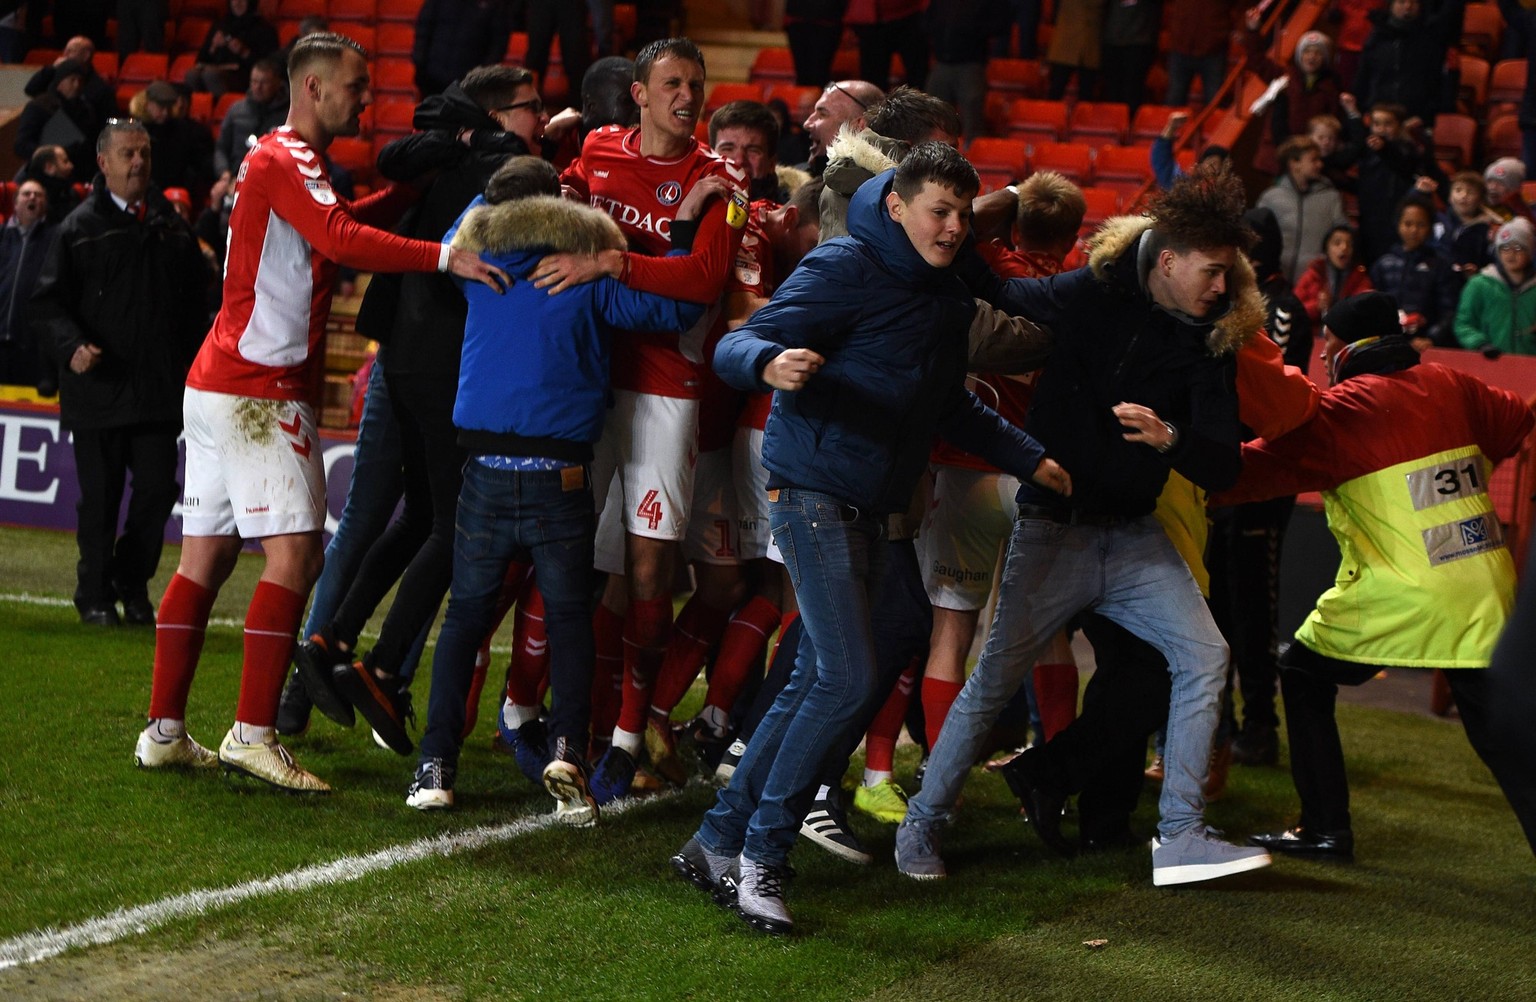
38, 486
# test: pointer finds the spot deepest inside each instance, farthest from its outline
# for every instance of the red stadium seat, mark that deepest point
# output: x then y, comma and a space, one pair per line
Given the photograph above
1482, 26
1016, 78
724, 93
1474, 83
1502, 138
394, 76
105, 64
1507, 84
1122, 168
1073, 161
394, 39
399, 10
190, 32
353, 10
1102, 203
393, 115
1043, 121
1008, 156
200, 107
142, 67
1099, 122
1455, 136
1149, 122
772, 66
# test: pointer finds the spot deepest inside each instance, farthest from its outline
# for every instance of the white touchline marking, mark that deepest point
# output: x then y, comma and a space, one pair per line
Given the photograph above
45, 943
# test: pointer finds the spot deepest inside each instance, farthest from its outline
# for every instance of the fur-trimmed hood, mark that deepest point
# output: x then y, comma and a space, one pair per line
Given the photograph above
1111, 248
544, 223
791, 178
855, 157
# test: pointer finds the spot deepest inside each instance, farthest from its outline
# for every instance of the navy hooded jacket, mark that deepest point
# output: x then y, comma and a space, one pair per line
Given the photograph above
893, 330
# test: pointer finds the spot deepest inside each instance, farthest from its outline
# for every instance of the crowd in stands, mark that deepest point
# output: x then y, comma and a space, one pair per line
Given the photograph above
726, 353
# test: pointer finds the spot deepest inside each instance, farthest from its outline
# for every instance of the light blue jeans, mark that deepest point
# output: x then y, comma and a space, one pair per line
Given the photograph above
836, 558
1129, 573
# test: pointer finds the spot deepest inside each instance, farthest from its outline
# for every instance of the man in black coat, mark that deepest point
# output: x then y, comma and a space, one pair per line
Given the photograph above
121, 305
24, 243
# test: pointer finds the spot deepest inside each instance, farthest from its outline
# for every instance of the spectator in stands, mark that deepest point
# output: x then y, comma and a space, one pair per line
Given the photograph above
60, 117
140, 26
1521, 23
97, 92
1075, 48
1328, 133
1503, 179
1464, 231
120, 305
1404, 58
1199, 32
747, 134
814, 29
1304, 202
961, 33
24, 242
890, 28
1165, 167
1419, 277
1128, 49
605, 97
311, 25
844, 102
1334, 276
263, 109
1311, 87
51, 167
1390, 163
183, 147
455, 36
231, 48
545, 18
1497, 313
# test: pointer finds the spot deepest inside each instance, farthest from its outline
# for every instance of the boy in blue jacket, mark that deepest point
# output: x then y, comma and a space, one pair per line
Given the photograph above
866, 344
533, 391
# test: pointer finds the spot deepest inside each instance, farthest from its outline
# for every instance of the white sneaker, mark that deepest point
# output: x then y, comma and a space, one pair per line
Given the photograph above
181, 753
269, 763
1197, 854
567, 783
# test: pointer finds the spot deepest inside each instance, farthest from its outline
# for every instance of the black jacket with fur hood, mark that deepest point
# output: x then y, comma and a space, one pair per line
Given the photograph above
1113, 344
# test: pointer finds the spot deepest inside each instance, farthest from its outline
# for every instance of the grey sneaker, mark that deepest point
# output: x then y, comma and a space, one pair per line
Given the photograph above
760, 897
827, 826
706, 871
1196, 854
917, 851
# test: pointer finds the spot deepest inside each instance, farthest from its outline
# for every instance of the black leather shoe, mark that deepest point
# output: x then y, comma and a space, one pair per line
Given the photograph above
293, 708
1339, 845
138, 611
99, 615
1113, 841
1041, 804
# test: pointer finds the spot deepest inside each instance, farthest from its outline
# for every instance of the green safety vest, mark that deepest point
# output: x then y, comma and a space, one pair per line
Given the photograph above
1425, 580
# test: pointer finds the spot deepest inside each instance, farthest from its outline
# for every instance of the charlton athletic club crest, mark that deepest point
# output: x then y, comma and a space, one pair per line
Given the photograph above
669, 192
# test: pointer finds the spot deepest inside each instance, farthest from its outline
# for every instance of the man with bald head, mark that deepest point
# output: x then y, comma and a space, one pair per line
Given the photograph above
844, 101
96, 91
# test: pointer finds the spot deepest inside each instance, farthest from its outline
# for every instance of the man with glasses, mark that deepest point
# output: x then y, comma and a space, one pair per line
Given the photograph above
843, 102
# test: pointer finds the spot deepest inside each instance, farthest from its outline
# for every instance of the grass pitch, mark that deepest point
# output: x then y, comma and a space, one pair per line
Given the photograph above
1439, 906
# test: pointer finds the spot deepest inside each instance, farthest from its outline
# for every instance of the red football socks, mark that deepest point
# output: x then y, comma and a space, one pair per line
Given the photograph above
270, 625
179, 632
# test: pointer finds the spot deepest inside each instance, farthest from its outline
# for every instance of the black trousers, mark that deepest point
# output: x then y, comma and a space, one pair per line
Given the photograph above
569, 19
1310, 682
879, 42
813, 46
1244, 560
116, 566
417, 548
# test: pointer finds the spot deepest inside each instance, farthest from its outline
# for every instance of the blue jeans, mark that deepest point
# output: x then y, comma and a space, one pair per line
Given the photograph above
835, 557
1128, 573
372, 495
503, 515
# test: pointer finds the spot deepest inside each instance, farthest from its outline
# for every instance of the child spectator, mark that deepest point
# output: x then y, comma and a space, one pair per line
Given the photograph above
1464, 231
1333, 277
1311, 90
1498, 306
1391, 164
1419, 278
1305, 204
1503, 178
1328, 133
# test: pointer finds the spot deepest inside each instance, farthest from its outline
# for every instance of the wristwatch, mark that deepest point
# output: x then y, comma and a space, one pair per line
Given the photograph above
1173, 437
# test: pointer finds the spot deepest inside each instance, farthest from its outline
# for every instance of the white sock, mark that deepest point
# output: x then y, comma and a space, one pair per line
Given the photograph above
822, 791
874, 777
628, 740
516, 716
250, 734
716, 719
164, 730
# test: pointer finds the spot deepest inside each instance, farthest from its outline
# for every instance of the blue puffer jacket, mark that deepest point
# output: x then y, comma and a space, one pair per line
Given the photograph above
893, 330
533, 380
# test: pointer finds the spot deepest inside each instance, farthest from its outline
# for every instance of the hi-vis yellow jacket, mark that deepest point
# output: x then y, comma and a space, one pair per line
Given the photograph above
1403, 461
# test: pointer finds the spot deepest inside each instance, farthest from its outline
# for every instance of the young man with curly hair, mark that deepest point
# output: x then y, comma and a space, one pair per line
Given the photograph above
1141, 381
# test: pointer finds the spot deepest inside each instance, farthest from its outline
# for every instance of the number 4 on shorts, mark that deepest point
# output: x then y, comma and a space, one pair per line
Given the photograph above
650, 510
